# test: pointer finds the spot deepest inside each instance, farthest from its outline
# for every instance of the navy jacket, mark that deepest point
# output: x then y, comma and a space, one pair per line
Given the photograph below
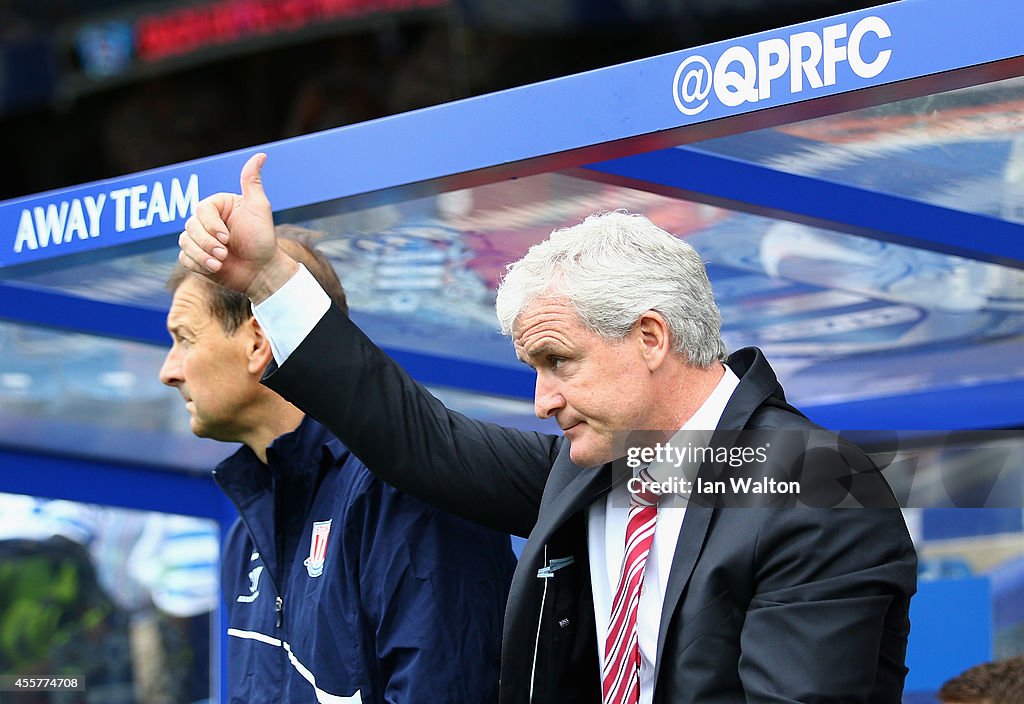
341, 589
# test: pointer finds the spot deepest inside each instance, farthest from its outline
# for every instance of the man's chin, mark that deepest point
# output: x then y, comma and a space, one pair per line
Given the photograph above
200, 430
585, 456
220, 433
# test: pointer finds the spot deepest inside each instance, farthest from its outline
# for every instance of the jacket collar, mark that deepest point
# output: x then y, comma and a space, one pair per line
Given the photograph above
758, 384
291, 457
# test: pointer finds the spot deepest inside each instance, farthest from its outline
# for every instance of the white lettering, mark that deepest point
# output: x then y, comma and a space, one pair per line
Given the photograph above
740, 484
157, 205
50, 223
768, 485
734, 88
135, 206
814, 57
804, 65
710, 487
184, 204
94, 207
120, 196
26, 233
770, 70
76, 222
692, 84
833, 52
58, 223
877, 26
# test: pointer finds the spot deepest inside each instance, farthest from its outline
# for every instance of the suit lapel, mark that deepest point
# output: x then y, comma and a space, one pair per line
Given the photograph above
757, 384
579, 487
691, 540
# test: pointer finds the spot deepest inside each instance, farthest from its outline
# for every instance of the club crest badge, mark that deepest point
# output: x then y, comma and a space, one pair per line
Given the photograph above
318, 548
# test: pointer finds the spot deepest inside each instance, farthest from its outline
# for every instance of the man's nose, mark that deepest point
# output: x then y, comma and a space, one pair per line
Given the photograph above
547, 399
170, 370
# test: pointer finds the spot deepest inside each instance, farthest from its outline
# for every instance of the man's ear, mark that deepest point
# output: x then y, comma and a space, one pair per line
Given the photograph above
258, 351
654, 337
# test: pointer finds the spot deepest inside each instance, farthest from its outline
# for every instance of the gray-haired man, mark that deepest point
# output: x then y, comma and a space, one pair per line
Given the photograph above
614, 600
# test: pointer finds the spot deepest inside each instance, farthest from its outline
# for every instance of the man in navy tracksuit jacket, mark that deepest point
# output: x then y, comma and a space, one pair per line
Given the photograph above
407, 607
338, 588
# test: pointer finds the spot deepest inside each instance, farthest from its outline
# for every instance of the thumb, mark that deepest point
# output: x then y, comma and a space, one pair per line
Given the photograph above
252, 181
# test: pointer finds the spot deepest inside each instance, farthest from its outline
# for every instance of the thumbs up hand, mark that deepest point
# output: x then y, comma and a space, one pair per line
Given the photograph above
230, 239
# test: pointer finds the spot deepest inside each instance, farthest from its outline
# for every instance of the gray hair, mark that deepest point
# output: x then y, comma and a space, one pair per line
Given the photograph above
613, 268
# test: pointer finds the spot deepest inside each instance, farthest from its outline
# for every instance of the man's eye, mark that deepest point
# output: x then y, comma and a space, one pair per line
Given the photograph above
556, 362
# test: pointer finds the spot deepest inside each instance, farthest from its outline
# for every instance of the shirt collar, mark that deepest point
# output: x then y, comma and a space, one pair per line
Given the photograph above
710, 412
705, 418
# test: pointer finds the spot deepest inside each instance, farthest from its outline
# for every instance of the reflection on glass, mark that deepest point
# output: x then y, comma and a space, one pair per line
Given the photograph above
87, 394
962, 149
842, 317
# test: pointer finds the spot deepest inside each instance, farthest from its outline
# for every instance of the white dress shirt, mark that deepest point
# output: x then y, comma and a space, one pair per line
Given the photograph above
606, 538
292, 312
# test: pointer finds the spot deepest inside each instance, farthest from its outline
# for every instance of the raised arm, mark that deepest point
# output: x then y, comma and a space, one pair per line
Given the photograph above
486, 473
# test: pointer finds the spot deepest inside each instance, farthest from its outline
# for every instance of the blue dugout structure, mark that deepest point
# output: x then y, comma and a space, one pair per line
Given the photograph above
856, 185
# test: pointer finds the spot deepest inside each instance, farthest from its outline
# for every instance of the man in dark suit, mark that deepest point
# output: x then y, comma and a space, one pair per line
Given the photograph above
618, 598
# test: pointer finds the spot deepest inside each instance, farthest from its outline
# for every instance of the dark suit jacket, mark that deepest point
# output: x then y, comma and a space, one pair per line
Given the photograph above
762, 604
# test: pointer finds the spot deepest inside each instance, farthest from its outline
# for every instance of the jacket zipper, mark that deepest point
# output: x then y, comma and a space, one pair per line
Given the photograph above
279, 600
540, 620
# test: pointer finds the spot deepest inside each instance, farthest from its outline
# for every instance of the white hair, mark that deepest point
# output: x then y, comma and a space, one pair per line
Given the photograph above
612, 268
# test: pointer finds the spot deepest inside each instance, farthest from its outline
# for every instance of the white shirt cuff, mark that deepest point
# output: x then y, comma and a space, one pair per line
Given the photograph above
290, 313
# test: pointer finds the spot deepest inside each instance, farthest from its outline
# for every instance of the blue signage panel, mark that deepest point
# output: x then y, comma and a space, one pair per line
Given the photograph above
951, 630
110, 213
568, 116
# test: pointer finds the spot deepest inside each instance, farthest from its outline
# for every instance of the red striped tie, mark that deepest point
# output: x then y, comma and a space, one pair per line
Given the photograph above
621, 673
